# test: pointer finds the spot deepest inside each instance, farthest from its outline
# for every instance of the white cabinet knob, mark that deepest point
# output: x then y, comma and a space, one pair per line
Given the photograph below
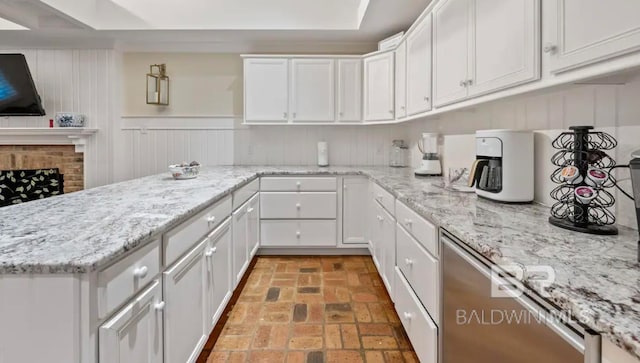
379, 197
298, 205
250, 210
380, 218
141, 272
298, 184
408, 316
298, 234
211, 219
344, 187
408, 261
408, 222
160, 306
391, 112
341, 113
426, 98
549, 48
211, 251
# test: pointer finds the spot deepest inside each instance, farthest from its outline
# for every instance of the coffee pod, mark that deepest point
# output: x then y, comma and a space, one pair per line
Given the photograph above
585, 194
596, 177
571, 175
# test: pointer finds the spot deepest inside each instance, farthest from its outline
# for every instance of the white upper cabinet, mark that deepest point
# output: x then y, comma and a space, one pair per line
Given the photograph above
349, 90
266, 90
481, 46
506, 49
451, 34
401, 80
312, 90
379, 87
581, 32
419, 67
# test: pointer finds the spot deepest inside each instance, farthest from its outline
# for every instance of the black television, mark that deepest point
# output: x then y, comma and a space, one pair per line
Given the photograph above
18, 94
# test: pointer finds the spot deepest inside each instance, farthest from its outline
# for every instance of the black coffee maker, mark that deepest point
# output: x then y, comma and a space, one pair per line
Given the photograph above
634, 167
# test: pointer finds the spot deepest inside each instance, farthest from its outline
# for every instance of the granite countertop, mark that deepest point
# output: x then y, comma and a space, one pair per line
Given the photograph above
597, 277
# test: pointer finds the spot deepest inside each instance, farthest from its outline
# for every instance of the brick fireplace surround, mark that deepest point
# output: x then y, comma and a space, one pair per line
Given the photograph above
63, 157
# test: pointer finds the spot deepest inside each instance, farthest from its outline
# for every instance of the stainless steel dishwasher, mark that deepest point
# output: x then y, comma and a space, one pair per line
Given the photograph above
480, 328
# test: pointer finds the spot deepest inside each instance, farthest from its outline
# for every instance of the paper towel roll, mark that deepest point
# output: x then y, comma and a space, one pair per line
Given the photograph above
323, 153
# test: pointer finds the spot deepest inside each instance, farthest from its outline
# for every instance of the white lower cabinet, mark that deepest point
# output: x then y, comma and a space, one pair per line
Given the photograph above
421, 330
134, 334
218, 277
354, 198
185, 319
240, 243
384, 245
421, 270
253, 227
301, 233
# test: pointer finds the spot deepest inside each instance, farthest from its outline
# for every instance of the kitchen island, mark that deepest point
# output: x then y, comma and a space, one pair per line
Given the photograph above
73, 237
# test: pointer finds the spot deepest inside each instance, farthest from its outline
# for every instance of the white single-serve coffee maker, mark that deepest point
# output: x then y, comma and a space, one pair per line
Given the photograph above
503, 170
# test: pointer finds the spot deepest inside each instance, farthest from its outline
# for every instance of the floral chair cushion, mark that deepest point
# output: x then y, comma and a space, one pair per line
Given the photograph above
18, 186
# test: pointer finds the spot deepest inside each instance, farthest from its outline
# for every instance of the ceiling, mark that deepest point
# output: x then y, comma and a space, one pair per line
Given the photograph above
310, 26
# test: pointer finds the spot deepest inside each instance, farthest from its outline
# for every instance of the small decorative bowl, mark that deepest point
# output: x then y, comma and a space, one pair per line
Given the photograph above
184, 172
69, 119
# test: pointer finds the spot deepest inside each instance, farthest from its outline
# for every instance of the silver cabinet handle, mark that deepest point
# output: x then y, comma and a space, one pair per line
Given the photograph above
341, 113
426, 98
294, 115
469, 82
391, 111
463, 83
549, 48
285, 115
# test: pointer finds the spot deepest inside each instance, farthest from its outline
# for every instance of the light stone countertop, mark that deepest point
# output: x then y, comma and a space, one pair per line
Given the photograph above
597, 277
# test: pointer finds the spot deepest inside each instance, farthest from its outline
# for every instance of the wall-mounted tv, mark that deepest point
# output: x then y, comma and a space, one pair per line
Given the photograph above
18, 94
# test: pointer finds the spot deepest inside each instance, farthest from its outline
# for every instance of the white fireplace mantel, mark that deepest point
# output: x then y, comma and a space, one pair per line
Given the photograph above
47, 136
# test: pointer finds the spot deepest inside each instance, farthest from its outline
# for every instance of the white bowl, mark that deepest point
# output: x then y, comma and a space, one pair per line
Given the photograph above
184, 172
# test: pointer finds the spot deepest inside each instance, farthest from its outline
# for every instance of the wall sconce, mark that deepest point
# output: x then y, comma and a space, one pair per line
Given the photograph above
157, 85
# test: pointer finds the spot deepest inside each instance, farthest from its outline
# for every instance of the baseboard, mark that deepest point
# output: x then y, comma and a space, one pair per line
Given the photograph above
312, 251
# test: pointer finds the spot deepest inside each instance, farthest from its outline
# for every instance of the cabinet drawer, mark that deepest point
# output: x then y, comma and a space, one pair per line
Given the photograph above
421, 271
243, 194
298, 233
119, 282
292, 184
283, 205
182, 238
421, 330
385, 198
425, 232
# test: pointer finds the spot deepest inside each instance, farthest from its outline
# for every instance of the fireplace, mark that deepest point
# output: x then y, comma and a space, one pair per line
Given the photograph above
65, 158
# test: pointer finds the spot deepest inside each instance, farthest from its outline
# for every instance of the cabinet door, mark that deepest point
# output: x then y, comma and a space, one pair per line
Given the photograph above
506, 49
218, 276
581, 32
401, 80
253, 227
312, 90
185, 319
379, 87
134, 334
419, 67
377, 235
354, 218
240, 244
388, 251
349, 90
451, 32
266, 90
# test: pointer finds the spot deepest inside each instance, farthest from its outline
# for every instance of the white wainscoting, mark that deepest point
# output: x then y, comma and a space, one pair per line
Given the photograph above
74, 80
147, 145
